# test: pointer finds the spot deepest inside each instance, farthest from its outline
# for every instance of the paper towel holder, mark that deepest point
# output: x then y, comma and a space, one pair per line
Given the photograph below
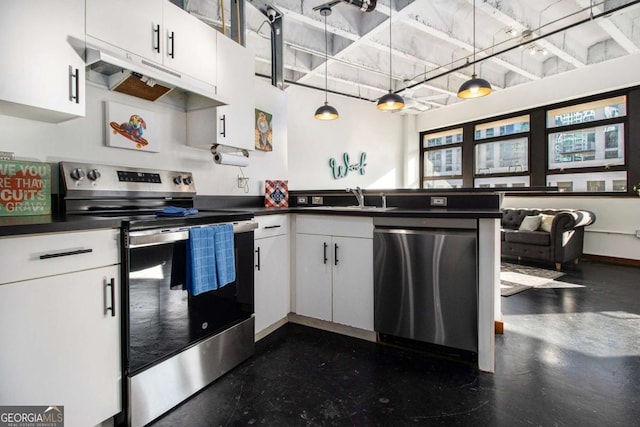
227, 149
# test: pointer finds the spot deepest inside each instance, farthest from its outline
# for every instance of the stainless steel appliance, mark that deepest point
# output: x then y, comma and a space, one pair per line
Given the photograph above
173, 343
425, 279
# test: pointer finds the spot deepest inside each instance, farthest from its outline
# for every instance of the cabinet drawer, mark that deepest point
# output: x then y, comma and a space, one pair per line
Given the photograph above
335, 226
272, 225
30, 257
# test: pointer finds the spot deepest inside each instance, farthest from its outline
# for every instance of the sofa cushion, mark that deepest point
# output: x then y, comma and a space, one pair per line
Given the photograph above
538, 238
545, 222
530, 223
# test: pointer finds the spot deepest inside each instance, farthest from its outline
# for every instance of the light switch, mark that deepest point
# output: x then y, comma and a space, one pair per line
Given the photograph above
438, 201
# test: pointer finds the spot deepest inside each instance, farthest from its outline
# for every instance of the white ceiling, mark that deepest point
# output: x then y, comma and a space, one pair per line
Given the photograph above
432, 40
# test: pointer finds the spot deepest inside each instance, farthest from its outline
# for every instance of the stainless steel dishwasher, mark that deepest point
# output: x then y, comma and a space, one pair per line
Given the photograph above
425, 278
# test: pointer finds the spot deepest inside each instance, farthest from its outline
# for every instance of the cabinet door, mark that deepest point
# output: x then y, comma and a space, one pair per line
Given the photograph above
42, 59
190, 44
61, 346
236, 69
313, 276
271, 280
353, 282
134, 26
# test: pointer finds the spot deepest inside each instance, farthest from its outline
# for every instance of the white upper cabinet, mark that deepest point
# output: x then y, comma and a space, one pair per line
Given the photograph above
42, 59
231, 124
136, 26
190, 44
156, 30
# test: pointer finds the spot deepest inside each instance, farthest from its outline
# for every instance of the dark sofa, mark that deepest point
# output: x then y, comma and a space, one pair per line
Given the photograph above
562, 243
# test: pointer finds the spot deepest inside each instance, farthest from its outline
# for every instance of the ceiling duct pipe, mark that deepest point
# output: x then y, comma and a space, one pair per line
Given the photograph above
274, 16
238, 24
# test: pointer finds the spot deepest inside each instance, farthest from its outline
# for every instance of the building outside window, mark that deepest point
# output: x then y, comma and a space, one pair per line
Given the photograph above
590, 137
442, 158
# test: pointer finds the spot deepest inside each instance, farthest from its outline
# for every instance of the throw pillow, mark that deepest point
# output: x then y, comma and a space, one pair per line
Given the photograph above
530, 223
545, 222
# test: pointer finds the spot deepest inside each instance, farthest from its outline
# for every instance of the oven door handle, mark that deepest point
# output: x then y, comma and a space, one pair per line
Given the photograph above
161, 237
137, 240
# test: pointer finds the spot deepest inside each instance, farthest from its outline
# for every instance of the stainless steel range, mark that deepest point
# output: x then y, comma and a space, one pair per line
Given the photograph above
173, 343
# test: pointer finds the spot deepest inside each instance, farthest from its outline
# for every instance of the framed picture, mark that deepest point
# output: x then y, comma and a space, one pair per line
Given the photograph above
264, 131
133, 128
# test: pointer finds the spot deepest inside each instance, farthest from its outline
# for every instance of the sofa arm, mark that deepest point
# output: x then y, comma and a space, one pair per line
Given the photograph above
568, 220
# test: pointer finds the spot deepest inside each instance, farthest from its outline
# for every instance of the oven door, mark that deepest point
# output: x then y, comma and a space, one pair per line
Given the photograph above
163, 318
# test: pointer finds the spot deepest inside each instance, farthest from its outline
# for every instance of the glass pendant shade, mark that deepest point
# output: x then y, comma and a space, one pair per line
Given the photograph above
326, 112
390, 102
474, 88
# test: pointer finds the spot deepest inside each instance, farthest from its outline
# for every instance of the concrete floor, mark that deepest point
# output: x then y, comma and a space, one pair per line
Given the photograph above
570, 356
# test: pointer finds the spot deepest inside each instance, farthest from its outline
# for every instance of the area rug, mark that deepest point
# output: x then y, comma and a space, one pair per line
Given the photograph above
515, 278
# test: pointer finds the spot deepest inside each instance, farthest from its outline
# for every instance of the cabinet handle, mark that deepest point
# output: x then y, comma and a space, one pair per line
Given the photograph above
325, 252
258, 264
171, 38
156, 32
271, 226
74, 84
112, 284
59, 254
335, 254
223, 119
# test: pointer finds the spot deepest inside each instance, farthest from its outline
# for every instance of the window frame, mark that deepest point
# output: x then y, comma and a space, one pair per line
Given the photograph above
424, 150
538, 145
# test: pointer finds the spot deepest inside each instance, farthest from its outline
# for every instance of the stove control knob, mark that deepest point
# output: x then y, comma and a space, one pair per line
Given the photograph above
77, 174
187, 180
177, 180
94, 175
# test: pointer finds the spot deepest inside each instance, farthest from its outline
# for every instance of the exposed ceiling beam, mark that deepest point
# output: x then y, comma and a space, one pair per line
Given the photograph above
611, 29
517, 25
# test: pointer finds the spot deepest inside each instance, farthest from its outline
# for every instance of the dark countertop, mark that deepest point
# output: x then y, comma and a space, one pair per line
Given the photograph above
10, 226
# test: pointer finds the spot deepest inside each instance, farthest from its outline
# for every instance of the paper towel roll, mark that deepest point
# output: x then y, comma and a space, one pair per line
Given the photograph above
230, 159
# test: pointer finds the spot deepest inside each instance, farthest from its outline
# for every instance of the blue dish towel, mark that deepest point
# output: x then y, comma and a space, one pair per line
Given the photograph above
201, 261
225, 254
210, 258
176, 211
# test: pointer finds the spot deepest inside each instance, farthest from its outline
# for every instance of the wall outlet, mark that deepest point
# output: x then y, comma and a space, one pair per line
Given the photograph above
438, 201
302, 200
317, 200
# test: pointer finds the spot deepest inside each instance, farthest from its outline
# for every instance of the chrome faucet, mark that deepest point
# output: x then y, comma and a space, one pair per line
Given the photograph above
359, 196
384, 200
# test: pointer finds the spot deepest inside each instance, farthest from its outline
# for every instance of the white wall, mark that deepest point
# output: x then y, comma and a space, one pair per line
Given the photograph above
613, 233
83, 140
360, 128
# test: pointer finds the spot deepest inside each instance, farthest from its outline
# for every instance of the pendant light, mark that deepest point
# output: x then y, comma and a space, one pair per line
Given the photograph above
326, 112
476, 87
391, 101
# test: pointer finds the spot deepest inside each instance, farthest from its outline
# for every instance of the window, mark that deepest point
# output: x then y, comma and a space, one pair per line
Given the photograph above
590, 182
511, 155
504, 181
442, 157
599, 146
510, 126
589, 137
587, 112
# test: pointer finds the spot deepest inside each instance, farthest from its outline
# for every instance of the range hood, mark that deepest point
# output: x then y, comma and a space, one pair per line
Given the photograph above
124, 72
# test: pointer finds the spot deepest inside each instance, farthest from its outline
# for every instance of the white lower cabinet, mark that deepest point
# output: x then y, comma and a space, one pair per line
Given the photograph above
272, 282
334, 272
61, 335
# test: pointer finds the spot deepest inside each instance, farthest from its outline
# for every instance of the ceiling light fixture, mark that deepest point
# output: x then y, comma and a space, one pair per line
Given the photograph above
476, 87
326, 112
391, 101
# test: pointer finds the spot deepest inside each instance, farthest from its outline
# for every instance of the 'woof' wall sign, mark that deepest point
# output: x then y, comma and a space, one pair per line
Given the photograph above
25, 188
342, 169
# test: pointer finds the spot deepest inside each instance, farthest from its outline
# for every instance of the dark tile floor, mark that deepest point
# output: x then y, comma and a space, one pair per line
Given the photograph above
570, 356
